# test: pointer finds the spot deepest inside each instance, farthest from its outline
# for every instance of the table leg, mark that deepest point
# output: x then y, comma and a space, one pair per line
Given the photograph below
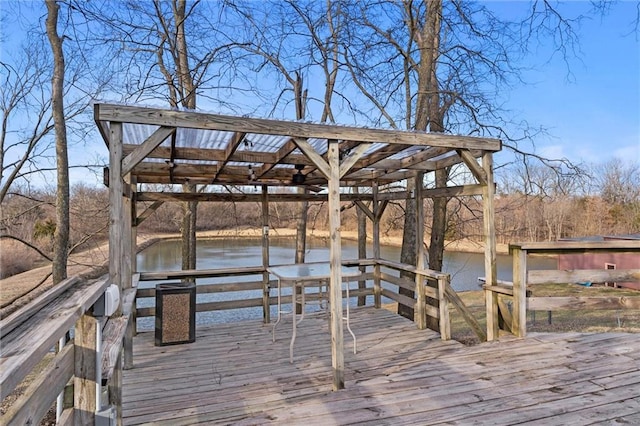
273, 330
295, 322
349, 324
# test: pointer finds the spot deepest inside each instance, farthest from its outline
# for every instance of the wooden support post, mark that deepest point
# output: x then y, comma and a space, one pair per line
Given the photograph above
421, 308
377, 288
266, 308
445, 321
129, 232
116, 207
127, 235
362, 248
490, 257
335, 260
115, 390
85, 375
519, 325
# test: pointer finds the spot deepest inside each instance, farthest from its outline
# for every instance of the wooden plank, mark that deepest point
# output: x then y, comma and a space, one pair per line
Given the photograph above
266, 311
407, 284
84, 380
519, 327
335, 261
419, 291
148, 211
354, 155
201, 273
580, 303
229, 150
112, 344
165, 117
476, 170
377, 212
248, 303
313, 155
382, 386
116, 206
453, 297
42, 392
24, 347
18, 317
490, 251
142, 151
242, 197
443, 306
558, 247
583, 275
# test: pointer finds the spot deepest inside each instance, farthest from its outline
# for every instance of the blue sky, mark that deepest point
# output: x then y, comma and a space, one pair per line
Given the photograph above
590, 107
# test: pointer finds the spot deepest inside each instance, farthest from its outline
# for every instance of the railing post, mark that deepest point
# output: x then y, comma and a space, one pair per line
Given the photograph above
445, 321
266, 307
85, 377
377, 289
519, 327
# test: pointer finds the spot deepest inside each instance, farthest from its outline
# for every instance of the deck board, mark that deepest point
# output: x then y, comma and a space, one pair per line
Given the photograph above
234, 374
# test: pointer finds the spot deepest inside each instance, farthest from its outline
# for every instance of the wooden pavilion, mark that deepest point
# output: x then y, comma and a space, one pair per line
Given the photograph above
172, 148
237, 373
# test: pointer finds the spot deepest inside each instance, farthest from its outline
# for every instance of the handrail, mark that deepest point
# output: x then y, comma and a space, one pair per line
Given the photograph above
25, 345
522, 277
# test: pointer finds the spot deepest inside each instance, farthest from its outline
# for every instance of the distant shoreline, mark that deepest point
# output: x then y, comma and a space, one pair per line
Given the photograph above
466, 245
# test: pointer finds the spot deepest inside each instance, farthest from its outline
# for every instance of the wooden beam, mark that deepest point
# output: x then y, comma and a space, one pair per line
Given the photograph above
453, 297
231, 148
573, 303
189, 119
583, 275
116, 206
476, 170
352, 158
313, 155
281, 154
377, 273
568, 247
140, 153
421, 302
335, 261
148, 211
266, 310
519, 327
363, 207
490, 253
242, 197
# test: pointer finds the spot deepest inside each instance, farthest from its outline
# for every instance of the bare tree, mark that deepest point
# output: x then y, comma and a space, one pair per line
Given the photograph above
61, 237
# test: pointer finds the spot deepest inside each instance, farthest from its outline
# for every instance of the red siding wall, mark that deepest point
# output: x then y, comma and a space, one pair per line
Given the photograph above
598, 261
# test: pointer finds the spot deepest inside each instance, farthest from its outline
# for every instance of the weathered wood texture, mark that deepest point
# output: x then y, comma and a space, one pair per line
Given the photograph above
28, 343
522, 277
234, 374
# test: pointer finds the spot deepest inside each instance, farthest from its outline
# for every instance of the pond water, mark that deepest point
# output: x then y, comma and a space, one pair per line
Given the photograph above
465, 268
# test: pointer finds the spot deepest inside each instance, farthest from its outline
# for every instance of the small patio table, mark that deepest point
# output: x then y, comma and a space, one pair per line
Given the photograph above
298, 276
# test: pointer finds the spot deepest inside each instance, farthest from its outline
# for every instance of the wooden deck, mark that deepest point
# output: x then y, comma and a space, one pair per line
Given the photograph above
234, 374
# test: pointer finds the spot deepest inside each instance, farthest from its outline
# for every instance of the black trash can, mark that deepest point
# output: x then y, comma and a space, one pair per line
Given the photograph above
175, 313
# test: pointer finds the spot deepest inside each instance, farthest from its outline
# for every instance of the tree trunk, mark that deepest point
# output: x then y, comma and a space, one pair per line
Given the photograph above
429, 116
189, 219
61, 236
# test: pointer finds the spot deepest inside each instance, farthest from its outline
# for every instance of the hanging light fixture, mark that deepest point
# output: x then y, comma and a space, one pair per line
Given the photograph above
298, 178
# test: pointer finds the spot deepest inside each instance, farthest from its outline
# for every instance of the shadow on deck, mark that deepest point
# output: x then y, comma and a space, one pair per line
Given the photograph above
234, 374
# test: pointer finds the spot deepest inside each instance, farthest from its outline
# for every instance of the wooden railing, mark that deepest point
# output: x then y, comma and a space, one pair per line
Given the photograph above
523, 277
30, 335
377, 276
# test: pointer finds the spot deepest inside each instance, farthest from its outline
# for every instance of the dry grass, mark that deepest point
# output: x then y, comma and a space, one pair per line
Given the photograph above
587, 321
